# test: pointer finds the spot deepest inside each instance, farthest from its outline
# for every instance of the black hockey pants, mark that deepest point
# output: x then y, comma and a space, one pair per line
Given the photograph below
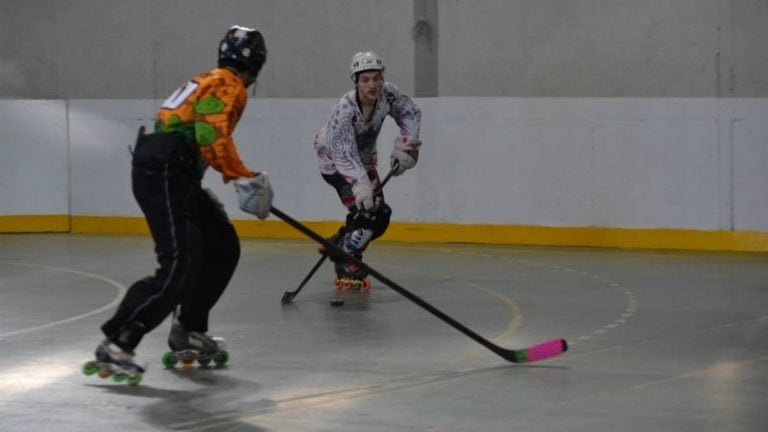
196, 246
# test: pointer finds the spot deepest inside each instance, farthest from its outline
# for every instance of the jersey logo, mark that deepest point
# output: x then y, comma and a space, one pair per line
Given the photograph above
180, 95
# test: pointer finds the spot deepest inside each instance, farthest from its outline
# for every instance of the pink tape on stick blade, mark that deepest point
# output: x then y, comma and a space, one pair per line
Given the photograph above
546, 350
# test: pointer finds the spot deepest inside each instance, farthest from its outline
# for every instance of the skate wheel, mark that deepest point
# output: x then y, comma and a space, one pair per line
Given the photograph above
104, 373
187, 358
90, 368
204, 360
119, 378
134, 380
170, 360
366, 284
221, 358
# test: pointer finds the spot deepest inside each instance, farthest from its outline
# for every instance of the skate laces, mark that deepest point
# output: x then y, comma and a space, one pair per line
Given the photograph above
204, 342
112, 353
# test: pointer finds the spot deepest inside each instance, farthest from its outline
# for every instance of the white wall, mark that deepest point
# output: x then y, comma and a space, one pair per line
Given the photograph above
695, 163
34, 157
113, 49
746, 138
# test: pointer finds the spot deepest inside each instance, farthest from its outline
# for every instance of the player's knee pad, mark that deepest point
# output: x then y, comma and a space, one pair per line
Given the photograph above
381, 220
376, 221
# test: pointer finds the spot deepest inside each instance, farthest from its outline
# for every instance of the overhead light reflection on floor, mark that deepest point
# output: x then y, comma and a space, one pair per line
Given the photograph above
39, 373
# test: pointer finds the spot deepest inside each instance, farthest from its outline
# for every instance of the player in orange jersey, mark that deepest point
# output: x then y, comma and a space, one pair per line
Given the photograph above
196, 245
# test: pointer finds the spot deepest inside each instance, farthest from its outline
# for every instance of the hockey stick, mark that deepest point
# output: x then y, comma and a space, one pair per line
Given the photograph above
538, 352
288, 296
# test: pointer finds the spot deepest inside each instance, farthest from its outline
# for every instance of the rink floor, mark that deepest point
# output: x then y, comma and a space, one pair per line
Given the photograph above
659, 341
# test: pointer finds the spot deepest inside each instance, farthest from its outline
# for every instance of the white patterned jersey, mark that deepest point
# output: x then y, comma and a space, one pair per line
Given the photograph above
347, 144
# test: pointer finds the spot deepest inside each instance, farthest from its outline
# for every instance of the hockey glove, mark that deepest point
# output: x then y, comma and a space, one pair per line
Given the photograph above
255, 195
363, 191
406, 153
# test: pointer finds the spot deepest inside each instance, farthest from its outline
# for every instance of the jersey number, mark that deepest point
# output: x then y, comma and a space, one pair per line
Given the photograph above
180, 95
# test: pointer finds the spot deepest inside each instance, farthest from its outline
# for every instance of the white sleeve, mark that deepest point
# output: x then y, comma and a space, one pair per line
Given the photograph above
340, 137
404, 111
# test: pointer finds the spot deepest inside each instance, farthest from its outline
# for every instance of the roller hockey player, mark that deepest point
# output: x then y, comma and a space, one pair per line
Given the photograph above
197, 247
347, 158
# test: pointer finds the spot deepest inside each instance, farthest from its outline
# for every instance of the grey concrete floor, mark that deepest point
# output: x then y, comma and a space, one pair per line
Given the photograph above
660, 341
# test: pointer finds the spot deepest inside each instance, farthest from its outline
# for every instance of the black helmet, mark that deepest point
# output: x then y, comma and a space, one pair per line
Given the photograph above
243, 48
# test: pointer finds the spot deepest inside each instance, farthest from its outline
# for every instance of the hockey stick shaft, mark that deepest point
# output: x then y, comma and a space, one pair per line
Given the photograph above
288, 296
538, 352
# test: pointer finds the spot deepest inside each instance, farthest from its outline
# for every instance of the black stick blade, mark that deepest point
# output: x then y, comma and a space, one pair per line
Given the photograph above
287, 297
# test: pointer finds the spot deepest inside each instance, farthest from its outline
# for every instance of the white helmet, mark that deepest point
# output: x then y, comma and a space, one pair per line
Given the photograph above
365, 61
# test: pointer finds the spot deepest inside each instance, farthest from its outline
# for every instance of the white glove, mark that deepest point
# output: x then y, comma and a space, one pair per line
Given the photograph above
363, 190
406, 153
255, 195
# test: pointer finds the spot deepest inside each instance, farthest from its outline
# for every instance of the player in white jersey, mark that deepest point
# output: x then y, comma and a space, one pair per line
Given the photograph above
347, 157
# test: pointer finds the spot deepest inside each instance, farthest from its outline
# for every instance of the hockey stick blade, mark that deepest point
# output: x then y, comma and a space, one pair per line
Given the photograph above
538, 352
288, 296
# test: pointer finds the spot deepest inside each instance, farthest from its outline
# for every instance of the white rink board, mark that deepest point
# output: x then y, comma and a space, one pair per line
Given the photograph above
689, 163
34, 166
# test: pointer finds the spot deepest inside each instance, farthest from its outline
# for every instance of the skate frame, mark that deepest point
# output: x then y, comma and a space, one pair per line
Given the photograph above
288, 296
537, 352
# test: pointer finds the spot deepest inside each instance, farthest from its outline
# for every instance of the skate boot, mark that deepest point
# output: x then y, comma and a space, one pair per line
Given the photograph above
351, 276
348, 274
190, 346
111, 360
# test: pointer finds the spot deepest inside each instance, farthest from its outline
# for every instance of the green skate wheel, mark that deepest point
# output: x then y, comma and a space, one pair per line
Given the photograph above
170, 360
204, 360
134, 380
90, 368
221, 358
119, 378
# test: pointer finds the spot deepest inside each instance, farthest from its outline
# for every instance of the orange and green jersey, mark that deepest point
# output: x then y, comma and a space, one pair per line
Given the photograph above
205, 111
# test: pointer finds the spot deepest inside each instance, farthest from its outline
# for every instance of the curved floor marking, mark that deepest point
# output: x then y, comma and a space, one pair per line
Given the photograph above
510, 305
415, 380
630, 298
121, 290
508, 333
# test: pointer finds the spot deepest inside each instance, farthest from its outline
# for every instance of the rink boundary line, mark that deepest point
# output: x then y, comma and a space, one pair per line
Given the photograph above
529, 235
121, 290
